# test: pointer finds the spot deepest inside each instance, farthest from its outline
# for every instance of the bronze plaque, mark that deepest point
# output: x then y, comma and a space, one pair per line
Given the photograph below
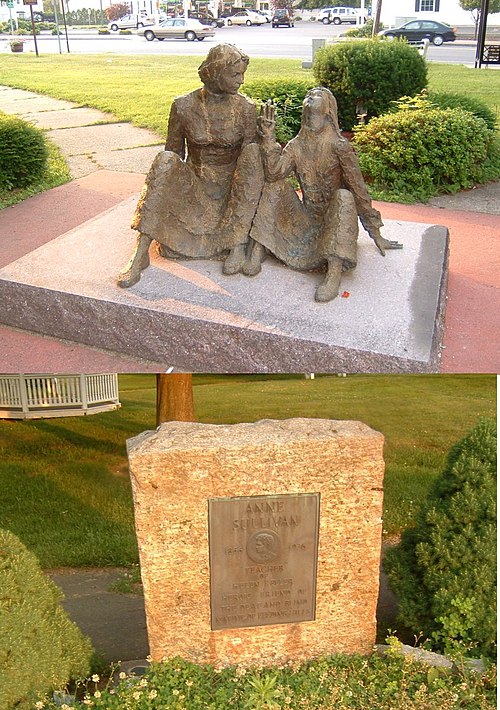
263, 557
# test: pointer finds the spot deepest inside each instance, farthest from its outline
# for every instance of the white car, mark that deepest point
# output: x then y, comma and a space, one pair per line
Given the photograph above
246, 17
128, 22
177, 28
337, 15
268, 14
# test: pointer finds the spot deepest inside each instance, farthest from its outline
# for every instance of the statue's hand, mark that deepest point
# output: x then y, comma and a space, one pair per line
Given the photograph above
383, 244
267, 121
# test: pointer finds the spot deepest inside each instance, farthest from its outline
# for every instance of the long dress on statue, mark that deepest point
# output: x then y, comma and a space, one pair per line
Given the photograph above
305, 233
202, 191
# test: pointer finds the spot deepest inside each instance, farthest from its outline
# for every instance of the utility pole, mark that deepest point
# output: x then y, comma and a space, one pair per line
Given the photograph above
376, 19
174, 398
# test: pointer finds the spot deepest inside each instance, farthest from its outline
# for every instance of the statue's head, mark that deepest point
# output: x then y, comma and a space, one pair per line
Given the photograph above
223, 70
321, 101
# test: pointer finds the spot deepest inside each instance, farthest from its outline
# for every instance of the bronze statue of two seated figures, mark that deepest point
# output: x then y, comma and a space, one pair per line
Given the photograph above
221, 188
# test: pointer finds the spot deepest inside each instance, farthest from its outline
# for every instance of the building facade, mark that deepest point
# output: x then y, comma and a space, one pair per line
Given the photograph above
397, 12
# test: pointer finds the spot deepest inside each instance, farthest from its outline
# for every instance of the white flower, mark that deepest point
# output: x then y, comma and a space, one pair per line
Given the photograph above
122, 675
153, 694
136, 695
39, 705
143, 682
95, 678
175, 691
97, 694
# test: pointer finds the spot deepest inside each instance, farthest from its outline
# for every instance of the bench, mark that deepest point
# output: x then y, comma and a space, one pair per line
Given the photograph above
491, 54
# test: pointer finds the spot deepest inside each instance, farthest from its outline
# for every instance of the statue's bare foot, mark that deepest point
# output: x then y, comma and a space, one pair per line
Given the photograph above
234, 262
253, 265
329, 289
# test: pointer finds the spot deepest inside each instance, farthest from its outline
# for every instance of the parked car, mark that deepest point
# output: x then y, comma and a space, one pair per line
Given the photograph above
337, 15
417, 30
177, 28
268, 14
128, 22
207, 19
282, 17
246, 17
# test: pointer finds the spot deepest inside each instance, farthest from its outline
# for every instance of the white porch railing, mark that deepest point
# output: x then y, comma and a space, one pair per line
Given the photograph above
37, 396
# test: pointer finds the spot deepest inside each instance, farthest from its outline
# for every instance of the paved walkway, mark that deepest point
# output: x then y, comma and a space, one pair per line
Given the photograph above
109, 159
116, 623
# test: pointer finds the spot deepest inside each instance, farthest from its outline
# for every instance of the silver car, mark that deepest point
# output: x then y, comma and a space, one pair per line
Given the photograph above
246, 17
177, 28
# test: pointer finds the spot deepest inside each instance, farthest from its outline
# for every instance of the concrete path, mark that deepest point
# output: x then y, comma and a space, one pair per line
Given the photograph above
116, 623
109, 159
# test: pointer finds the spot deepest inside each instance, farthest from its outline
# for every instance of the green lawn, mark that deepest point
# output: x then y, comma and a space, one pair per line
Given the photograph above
140, 89
64, 482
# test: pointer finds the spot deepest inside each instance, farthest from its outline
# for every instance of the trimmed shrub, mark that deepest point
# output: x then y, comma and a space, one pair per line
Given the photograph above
287, 95
444, 569
412, 155
40, 648
366, 75
467, 103
23, 153
365, 30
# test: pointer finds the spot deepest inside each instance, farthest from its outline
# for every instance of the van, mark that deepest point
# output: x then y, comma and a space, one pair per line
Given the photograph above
337, 15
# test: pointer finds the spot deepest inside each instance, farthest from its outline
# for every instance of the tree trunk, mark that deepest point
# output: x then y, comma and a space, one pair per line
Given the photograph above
174, 398
376, 21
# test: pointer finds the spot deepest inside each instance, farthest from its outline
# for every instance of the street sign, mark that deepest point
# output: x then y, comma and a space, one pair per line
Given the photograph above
10, 5
30, 2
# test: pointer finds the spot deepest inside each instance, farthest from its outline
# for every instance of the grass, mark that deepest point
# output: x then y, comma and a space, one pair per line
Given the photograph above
64, 482
140, 89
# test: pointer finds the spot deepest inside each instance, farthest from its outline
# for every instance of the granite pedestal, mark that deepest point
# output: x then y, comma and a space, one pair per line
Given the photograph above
214, 591
187, 314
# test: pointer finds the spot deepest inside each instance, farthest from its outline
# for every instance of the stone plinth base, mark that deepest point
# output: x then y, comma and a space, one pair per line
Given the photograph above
188, 315
182, 468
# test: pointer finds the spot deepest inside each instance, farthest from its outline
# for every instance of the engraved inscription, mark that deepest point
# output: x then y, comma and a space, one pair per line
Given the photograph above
263, 556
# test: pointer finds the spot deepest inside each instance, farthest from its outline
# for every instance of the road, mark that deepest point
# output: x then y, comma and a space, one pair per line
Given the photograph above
264, 41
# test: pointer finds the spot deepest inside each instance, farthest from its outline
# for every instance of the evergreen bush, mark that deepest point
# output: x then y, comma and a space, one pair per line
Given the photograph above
444, 569
366, 75
412, 155
467, 103
287, 95
40, 648
23, 153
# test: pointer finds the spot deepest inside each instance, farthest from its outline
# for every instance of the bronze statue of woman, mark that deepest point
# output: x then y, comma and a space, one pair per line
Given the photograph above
202, 191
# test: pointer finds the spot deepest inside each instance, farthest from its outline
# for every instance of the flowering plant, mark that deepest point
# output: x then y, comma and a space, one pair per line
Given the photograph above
17, 40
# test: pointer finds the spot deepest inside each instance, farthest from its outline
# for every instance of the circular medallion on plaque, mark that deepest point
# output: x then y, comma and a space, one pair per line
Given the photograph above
264, 546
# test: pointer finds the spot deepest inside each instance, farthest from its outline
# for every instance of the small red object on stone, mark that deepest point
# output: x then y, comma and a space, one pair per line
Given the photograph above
346, 294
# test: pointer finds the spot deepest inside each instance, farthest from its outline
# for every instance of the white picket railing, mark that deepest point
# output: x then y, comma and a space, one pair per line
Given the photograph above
35, 396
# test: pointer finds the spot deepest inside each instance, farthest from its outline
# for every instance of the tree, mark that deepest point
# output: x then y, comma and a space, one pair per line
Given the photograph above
174, 398
114, 12
474, 8
444, 569
283, 5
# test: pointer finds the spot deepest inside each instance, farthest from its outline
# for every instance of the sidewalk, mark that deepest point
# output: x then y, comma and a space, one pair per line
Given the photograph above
109, 161
116, 623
